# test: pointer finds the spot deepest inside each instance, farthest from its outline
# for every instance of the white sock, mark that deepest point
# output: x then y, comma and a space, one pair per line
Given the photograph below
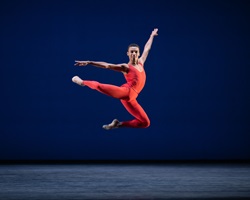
78, 80
112, 125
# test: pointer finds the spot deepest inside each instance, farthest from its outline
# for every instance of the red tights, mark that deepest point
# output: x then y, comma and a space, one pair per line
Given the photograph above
128, 99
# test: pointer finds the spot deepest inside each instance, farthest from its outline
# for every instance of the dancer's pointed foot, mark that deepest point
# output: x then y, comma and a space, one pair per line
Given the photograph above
78, 80
114, 124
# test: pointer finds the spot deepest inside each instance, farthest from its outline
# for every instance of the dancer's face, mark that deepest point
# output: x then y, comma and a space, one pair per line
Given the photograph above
133, 54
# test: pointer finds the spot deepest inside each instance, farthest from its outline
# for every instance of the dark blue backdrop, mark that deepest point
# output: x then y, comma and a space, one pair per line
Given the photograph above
197, 90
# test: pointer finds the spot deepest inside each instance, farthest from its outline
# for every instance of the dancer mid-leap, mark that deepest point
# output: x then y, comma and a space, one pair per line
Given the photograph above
135, 76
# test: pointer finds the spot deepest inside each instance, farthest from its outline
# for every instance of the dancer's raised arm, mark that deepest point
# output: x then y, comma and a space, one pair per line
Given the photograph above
148, 45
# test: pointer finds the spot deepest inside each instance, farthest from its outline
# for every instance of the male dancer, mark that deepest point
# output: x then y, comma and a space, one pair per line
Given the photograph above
127, 93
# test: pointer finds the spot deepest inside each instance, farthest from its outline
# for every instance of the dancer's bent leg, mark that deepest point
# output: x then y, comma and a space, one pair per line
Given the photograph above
141, 119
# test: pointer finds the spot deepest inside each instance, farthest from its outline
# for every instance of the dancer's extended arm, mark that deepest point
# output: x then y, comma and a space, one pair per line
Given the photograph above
148, 45
105, 65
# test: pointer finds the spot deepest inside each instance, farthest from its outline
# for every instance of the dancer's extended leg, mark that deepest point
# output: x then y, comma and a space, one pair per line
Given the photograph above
141, 119
110, 90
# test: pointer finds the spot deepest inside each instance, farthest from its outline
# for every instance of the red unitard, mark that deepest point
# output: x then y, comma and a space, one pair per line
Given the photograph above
127, 93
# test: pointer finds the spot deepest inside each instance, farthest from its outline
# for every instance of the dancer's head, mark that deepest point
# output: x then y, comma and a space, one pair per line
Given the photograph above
133, 53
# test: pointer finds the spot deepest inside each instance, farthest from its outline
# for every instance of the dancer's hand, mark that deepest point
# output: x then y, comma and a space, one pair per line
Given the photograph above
154, 32
81, 63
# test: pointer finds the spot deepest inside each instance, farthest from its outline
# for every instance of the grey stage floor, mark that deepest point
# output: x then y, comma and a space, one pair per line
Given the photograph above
125, 181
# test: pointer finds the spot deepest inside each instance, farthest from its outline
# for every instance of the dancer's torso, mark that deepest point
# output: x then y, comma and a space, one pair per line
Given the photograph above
135, 78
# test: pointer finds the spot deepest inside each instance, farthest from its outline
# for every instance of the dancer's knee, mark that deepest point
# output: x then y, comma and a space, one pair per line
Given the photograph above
145, 123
